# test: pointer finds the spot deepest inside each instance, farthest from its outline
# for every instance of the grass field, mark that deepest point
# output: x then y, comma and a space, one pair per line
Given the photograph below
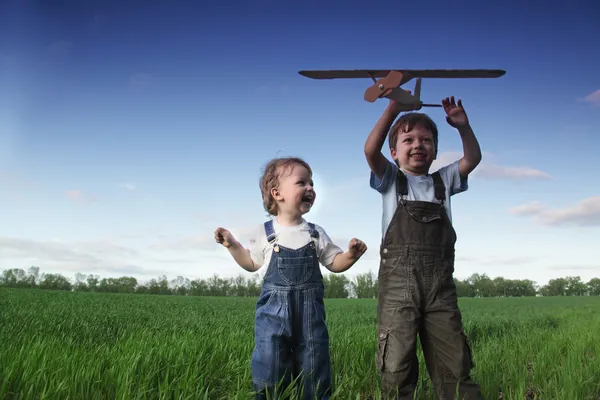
68, 345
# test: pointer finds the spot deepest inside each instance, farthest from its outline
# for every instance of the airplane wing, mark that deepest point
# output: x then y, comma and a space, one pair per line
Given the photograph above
412, 73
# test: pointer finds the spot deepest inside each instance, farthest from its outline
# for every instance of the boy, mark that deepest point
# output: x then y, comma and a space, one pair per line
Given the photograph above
291, 335
417, 294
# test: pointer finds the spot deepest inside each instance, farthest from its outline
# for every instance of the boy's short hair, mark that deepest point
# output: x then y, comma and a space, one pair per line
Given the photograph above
407, 122
270, 179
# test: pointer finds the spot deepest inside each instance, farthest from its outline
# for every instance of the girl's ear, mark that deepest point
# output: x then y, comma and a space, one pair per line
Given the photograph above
275, 193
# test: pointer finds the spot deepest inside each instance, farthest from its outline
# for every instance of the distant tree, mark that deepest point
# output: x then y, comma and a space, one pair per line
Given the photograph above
55, 282
92, 282
336, 286
10, 277
80, 283
238, 286
463, 289
482, 285
594, 287
33, 277
180, 285
555, 287
364, 286
198, 287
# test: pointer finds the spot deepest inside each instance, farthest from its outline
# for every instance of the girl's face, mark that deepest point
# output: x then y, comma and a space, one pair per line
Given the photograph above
295, 195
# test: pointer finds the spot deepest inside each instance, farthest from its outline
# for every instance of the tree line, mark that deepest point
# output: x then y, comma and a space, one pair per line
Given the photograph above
336, 285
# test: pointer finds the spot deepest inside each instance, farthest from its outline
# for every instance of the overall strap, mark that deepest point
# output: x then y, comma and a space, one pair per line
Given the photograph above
269, 231
440, 188
438, 184
314, 233
401, 184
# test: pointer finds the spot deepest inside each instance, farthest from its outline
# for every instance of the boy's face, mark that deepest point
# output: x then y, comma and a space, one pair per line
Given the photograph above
414, 150
295, 195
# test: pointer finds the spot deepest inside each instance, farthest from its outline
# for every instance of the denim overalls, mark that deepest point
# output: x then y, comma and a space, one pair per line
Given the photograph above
291, 336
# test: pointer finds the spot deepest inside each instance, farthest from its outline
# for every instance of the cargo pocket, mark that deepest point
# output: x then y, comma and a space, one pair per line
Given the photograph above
382, 344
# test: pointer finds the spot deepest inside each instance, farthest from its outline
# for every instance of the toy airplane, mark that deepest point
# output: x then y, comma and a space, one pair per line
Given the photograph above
390, 81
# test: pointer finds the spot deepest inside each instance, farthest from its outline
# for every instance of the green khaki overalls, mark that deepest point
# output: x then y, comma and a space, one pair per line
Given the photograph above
417, 295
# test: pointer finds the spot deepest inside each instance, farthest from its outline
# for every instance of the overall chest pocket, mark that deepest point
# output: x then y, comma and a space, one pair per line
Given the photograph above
295, 270
424, 214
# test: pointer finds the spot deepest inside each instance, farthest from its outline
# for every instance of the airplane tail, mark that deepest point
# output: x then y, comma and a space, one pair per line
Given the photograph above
417, 93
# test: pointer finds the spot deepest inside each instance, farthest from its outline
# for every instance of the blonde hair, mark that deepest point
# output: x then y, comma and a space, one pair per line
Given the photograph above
270, 179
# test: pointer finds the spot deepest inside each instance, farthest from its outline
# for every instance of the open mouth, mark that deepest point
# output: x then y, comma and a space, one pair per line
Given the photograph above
418, 156
307, 198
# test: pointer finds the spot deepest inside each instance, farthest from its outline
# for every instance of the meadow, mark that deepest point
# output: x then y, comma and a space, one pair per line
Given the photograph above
73, 345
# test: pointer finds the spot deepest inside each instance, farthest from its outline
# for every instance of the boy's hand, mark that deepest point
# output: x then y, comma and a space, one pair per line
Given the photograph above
224, 237
356, 248
455, 114
396, 107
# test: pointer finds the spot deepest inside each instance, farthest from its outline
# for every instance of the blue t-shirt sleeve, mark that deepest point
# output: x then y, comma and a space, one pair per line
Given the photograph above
389, 175
451, 177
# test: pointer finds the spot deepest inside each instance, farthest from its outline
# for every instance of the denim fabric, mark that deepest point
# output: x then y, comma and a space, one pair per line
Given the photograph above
291, 335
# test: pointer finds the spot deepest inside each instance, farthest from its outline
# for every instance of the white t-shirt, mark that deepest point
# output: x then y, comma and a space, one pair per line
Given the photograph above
419, 188
292, 237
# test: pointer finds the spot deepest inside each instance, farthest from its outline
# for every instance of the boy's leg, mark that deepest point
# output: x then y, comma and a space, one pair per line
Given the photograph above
445, 345
314, 363
271, 361
398, 324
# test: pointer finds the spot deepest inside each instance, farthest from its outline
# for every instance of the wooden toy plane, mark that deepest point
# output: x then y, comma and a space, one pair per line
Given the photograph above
390, 81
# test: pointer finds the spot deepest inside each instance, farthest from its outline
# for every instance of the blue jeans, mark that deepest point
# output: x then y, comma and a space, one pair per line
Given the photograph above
291, 335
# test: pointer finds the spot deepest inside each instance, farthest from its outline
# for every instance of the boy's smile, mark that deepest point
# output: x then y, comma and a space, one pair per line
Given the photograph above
415, 150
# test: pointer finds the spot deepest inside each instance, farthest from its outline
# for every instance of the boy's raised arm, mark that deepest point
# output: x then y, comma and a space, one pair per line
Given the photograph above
375, 158
471, 151
457, 118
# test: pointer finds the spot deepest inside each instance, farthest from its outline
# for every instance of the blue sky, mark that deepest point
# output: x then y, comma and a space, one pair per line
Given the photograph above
129, 133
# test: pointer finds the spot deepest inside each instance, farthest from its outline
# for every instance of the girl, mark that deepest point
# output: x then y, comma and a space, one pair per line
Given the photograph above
291, 335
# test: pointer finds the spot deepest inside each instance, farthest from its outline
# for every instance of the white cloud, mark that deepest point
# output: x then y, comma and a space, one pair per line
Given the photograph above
141, 79
78, 196
593, 98
586, 213
445, 158
490, 170
128, 186
203, 241
493, 259
74, 257
575, 268
532, 208
493, 171
104, 257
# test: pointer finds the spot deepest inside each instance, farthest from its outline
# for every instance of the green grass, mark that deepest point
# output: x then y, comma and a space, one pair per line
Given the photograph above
106, 346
